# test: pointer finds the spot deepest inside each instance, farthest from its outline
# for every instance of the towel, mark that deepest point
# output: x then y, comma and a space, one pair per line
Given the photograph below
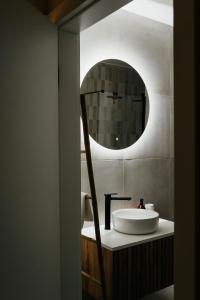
86, 208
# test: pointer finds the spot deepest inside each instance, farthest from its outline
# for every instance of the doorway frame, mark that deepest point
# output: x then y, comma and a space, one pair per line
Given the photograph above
185, 169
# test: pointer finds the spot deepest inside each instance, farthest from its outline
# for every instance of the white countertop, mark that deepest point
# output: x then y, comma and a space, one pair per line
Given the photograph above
113, 240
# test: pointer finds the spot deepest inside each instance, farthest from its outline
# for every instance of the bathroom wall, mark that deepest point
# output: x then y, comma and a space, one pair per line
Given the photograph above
118, 123
145, 169
29, 192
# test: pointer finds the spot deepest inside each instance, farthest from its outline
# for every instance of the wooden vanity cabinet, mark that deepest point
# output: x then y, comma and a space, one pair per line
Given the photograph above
131, 272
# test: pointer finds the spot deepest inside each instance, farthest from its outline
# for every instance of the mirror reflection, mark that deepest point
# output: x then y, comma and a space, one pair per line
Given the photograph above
117, 116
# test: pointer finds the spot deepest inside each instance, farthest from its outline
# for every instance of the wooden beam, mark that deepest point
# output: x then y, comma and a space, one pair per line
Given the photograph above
45, 6
58, 9
65, 7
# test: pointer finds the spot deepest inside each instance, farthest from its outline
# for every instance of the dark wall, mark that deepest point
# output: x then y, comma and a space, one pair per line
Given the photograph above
185, 143
29, 191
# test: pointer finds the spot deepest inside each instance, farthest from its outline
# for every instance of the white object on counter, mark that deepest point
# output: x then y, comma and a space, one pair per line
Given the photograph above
86, 208
113, 240
149, 206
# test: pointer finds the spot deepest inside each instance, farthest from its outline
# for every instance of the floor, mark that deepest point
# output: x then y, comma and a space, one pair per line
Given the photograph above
165, 294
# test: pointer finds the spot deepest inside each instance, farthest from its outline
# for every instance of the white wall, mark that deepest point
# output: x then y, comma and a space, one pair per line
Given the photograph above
146, 168
70, 185
29, 193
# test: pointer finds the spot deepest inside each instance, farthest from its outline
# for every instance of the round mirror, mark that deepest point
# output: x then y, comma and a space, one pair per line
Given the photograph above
116, 102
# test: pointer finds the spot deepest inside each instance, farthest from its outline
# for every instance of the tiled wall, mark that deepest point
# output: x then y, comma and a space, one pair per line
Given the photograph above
144, 170
114, 123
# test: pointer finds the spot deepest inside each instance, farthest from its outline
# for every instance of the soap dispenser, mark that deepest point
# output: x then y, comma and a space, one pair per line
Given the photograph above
141, 204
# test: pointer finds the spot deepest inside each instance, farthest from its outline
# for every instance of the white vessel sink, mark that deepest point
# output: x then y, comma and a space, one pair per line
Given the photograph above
135, 221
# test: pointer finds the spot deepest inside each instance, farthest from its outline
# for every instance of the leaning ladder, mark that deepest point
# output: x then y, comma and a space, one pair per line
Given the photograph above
94, 199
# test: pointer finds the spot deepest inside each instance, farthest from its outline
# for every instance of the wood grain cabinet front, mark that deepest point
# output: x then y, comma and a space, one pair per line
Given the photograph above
131, 272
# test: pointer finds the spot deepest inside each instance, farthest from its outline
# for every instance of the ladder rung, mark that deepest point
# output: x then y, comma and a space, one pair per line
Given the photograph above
91, 278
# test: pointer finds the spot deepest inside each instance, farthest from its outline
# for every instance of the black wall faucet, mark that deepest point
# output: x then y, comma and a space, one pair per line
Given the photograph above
108, 198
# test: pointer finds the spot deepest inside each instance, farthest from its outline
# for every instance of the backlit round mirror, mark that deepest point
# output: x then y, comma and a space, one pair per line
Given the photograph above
117, 111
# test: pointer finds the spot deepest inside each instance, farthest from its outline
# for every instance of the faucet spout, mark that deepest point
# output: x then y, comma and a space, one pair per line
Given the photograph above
108, 199
120, 198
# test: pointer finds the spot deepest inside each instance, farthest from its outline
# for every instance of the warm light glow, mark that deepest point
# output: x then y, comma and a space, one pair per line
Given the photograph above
98, 150
97, 45
154, 10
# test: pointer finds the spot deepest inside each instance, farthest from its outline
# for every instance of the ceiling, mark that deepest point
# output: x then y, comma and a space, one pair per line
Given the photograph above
157, 10
57, 10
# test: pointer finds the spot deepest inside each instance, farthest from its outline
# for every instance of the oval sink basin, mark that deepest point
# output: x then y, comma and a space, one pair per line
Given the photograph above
135, 221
